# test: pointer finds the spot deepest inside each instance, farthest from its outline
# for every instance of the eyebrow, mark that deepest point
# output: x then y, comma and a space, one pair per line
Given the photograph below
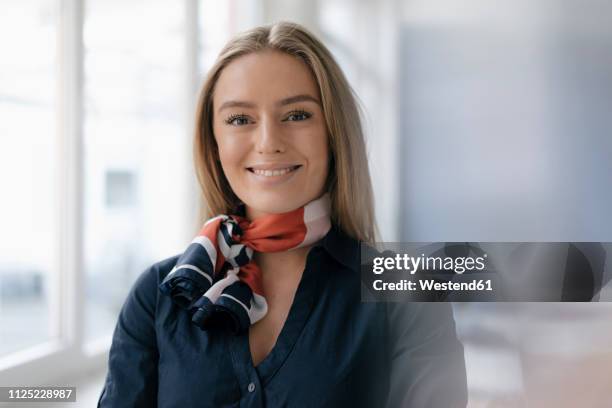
282, 102
297, 98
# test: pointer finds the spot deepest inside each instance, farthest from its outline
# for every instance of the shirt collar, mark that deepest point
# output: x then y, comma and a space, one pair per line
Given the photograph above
342, 248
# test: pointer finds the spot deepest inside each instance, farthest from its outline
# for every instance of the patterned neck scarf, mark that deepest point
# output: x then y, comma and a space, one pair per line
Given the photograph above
216, 279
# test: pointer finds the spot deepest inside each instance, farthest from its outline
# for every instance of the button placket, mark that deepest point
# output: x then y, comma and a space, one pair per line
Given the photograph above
248, 378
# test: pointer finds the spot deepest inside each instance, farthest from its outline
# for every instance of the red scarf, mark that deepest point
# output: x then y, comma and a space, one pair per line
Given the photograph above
216, 279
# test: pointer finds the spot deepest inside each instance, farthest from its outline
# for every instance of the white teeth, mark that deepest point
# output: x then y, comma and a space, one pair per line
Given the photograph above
271, 173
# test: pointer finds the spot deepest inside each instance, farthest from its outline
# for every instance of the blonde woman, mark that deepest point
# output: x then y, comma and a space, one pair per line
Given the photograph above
263, 308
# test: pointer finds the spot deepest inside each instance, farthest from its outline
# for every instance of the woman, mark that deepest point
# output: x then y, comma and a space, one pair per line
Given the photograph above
264, 307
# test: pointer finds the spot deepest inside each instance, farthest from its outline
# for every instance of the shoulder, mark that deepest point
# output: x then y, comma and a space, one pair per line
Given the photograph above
145, 287
136, 322
162, 268
158, 271
343, 248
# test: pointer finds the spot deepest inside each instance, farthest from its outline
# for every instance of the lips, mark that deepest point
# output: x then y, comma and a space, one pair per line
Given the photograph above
273, 170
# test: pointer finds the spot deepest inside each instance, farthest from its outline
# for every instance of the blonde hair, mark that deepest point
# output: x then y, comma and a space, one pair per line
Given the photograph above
348, 182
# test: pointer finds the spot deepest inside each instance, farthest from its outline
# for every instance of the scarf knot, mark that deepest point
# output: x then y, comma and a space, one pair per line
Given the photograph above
216, 279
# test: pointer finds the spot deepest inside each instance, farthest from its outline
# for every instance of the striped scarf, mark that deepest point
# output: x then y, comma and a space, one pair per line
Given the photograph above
217, 281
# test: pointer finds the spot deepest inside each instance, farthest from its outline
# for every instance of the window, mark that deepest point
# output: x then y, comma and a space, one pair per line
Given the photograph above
27, 172
135, 148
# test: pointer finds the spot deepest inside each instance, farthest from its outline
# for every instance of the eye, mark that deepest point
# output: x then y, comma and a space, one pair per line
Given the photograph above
237, 120
297, 115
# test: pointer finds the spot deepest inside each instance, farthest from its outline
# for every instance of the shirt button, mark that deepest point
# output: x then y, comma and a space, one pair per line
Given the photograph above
251, 387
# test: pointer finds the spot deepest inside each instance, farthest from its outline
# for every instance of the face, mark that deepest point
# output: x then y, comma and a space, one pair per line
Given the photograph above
270, 130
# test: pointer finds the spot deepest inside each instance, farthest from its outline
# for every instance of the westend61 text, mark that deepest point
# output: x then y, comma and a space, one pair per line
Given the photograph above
430, 284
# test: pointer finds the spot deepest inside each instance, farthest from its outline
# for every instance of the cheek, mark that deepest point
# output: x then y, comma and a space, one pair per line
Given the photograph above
231, 151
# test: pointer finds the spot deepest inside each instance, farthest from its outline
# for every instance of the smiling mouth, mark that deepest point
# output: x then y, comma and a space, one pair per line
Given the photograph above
275, 172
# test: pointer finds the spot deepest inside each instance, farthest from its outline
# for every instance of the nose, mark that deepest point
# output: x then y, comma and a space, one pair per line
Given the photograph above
269, 138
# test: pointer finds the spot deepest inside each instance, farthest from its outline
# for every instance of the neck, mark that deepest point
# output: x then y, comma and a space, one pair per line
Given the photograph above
282, 262
252, 213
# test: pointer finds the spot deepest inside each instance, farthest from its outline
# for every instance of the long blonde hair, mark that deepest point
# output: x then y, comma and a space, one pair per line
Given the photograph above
348, 181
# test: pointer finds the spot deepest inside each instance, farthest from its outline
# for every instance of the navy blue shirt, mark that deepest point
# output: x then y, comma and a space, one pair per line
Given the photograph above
333, 351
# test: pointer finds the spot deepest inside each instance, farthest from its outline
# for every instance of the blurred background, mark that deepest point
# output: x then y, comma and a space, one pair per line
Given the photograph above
485, 121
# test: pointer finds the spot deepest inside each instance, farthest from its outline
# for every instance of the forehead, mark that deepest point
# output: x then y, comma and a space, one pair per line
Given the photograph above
262, 77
